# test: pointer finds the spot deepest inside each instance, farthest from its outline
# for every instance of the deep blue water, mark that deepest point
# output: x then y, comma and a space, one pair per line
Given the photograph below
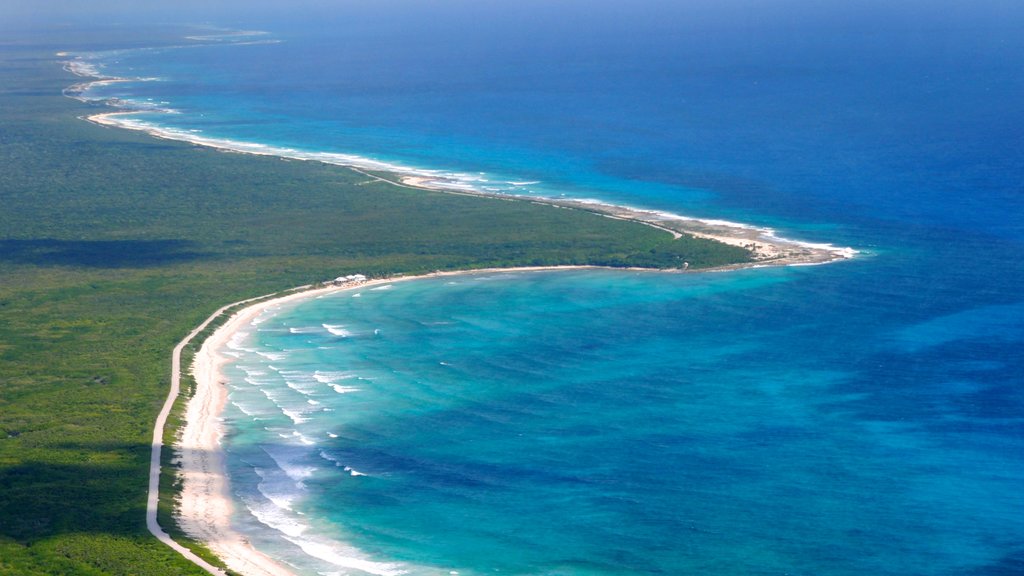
860, 417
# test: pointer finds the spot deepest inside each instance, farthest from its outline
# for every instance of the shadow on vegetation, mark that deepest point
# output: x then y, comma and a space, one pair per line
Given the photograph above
84, 490
98, 253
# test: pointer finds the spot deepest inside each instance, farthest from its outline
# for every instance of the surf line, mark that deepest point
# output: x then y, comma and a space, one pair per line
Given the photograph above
153, 499
764, 245
229, 546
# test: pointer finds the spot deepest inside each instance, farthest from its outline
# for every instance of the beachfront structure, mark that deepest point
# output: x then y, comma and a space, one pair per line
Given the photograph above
351, 278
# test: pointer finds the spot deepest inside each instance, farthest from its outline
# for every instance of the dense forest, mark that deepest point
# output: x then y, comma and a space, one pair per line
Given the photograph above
113, 245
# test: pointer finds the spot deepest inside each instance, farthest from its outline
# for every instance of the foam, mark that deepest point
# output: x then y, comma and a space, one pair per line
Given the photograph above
298, 388
325, 377
82, 67
295, 416
235, 342
333, 554
303, 438
227, 35
249, 411
295, 374
841, 252
410, 176
271, 395
329, 458
280, 494
278, 513
122, 120
251, 371
287, 461
337, 330
275, 517
351, 471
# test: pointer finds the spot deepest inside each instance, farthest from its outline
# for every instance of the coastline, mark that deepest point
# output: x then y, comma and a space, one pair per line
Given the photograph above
894, 419
765, 246
204, 506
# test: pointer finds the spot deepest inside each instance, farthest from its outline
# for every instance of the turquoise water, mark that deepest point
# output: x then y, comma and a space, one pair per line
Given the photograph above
860, 417
605, 423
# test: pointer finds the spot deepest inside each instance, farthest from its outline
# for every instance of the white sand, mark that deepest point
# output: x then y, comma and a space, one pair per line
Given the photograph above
205, 505
204, 508
767, 249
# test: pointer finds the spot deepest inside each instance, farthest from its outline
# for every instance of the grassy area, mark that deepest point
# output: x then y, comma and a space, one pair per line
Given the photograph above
113, 245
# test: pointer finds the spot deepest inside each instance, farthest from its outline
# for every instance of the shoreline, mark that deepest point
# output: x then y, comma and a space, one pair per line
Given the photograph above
204, 506
765, 246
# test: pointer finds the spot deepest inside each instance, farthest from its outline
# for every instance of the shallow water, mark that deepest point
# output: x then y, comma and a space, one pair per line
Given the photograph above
860, 417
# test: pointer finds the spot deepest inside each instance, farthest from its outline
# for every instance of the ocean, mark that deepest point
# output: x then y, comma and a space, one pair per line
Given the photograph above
865, 416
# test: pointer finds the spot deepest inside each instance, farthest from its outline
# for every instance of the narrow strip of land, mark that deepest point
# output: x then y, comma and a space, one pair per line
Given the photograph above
765, 247
158, 442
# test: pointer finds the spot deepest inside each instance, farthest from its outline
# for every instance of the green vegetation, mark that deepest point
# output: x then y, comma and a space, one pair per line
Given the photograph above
113, 245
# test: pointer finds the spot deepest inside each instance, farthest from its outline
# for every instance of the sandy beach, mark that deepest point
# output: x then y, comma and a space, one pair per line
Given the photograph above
204, 507
765, 246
